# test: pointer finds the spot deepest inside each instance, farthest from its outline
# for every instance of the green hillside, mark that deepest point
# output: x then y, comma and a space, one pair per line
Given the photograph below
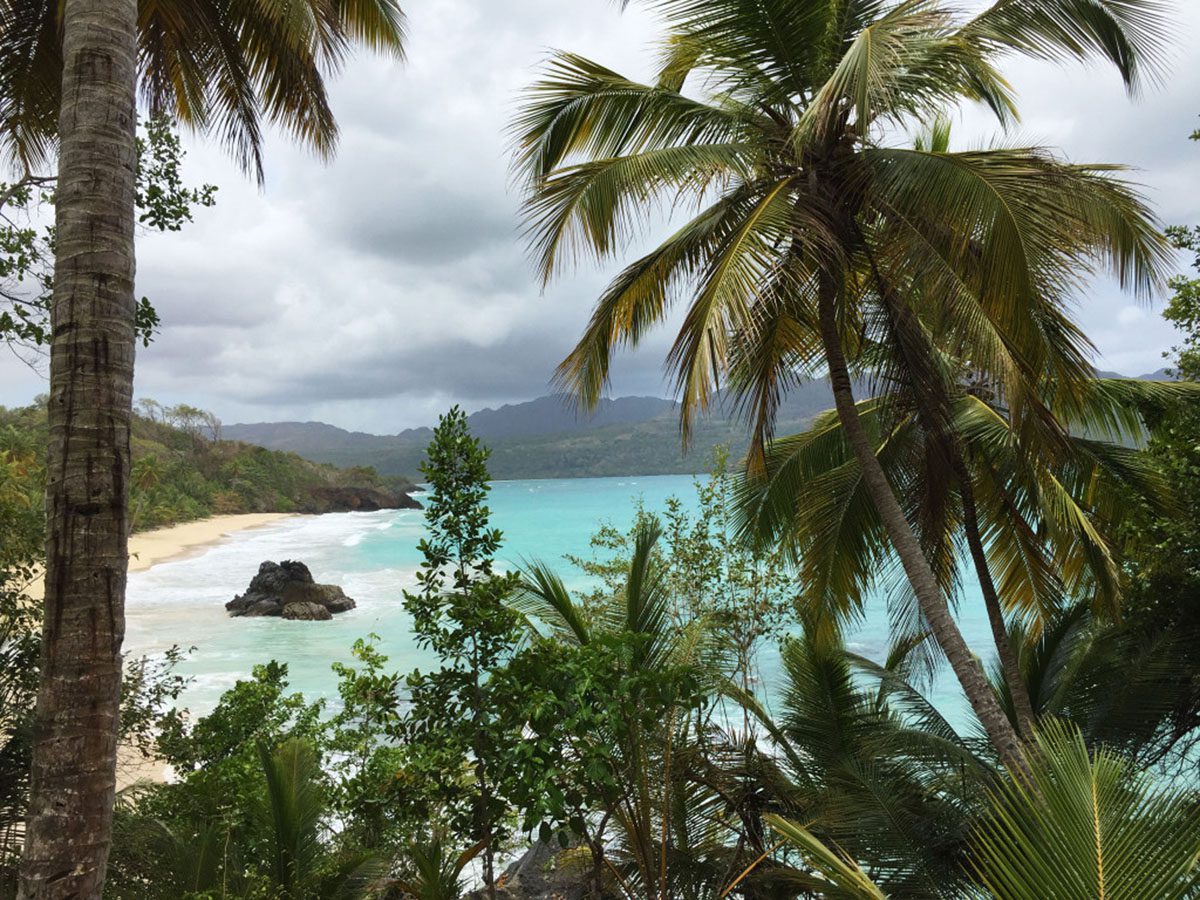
181, 473
645, 448
545, 438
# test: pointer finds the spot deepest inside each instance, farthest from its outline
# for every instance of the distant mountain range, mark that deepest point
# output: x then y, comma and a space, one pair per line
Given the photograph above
546, 438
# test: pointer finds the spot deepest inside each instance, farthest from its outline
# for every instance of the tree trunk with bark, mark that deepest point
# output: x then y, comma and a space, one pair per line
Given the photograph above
916, 567
91, 384
934, 412
1009, 664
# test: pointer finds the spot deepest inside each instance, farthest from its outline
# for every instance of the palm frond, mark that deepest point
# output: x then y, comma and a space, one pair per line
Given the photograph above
842, 878
1085, 825
1130, 34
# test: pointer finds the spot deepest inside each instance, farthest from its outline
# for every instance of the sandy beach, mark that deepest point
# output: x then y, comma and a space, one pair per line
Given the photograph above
149, 548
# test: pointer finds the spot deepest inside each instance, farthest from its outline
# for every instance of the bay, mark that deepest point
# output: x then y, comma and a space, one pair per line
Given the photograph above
374, 557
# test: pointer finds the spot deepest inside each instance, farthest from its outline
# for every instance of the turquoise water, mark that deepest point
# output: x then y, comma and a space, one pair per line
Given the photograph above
374, 557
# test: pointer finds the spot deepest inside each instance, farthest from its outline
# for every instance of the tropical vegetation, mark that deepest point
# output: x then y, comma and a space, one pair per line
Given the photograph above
648, 724
821, 243
183, 470
683, 713
70, 74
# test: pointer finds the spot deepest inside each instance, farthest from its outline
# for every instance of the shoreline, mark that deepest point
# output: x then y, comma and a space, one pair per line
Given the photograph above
149, 548
173, 542
146, 550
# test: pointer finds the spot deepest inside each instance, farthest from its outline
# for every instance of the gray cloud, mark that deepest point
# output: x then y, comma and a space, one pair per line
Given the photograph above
375, 291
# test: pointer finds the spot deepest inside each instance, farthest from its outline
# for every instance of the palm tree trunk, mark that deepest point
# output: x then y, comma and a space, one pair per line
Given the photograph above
87, 473
1009, 665
916, 567
933, 407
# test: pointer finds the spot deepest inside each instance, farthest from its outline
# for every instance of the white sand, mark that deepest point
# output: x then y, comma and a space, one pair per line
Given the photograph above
148, 549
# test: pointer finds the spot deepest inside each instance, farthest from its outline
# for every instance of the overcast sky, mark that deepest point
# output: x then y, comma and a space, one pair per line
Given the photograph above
373, 292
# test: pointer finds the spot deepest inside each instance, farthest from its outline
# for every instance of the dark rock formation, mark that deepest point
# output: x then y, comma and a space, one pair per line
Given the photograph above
262, 607
359, 499
308, 612
287, 589
327, 596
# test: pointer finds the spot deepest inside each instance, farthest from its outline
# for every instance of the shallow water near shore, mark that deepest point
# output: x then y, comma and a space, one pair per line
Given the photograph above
374, 557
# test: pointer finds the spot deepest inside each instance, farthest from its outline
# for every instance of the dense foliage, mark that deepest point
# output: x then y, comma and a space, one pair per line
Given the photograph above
684, 717
182, 470
635, 723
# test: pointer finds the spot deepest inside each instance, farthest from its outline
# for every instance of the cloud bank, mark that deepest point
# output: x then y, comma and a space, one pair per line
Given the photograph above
373, 292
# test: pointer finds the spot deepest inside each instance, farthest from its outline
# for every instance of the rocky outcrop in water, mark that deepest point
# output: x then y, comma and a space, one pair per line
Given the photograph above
287, 589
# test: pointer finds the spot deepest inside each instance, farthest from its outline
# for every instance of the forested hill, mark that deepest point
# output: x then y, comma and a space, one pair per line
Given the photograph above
185, 469
545, 438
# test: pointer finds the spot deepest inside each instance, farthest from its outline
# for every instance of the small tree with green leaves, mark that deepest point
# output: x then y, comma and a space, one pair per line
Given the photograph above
365, 741
164, 203
746, 594
455, 733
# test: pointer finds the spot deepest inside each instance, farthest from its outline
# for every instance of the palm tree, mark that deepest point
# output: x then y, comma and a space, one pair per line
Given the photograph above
145, 477
837, 876
211, 858
1128, 686
437, 870
1086, 825
301, 864
659, 818
813, 232
1042, 530
92, 316
1082, 824
896, 804
871, 765
221, 66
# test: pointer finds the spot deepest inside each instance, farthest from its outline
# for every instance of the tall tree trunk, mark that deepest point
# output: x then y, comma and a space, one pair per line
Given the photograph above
91, 385
934, 412
916, 567
1017, 689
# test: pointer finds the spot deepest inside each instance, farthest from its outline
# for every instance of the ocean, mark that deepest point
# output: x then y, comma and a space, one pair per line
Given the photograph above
374, 558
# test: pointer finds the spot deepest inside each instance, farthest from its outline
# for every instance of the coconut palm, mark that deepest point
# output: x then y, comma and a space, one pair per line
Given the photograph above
872, 767
896, 804
145, 475
69, 73
662, 820
297, 858
220, 66
302, 867
1085, 824
835, 875
1128, 685
437, 870
1036, 531
813, 232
